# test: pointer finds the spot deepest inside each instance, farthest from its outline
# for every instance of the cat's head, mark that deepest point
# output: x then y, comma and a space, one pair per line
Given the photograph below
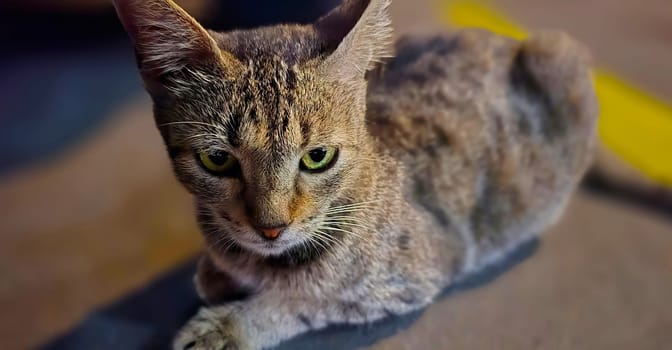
266, 127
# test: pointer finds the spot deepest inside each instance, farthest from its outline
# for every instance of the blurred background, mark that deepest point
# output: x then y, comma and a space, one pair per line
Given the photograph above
89, 209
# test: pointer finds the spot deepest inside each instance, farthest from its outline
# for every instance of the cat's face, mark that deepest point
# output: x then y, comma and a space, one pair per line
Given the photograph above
265, 127
267, 154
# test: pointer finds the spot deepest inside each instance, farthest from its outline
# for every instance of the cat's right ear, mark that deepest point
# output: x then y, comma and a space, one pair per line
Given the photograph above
168, 41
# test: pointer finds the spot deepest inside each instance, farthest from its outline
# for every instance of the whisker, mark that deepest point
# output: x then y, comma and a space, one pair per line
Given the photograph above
357, 204
330, 239
347, 224
220, 243
347, 210
353, 208
232, 243
344, 217
194, 122
342, 230
318, 242
310, 242
188, 122
202, 135
221, 239
361, 206
326, 236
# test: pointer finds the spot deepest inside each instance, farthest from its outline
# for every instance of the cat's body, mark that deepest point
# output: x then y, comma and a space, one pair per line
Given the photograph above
461, 147
505, 128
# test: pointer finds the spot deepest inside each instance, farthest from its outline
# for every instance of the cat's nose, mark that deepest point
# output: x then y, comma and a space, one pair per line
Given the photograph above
271, 233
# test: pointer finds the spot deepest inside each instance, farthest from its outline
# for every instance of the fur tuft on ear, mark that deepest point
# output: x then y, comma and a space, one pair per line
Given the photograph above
356, 34
168, 40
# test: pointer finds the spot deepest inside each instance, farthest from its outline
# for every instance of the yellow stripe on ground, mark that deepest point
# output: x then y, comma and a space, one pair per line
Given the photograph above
463, 13
633, 124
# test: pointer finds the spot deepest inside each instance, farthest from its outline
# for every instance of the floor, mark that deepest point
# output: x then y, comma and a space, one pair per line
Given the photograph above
86, 227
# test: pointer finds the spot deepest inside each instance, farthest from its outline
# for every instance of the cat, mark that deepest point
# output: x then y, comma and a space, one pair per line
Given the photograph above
339, 179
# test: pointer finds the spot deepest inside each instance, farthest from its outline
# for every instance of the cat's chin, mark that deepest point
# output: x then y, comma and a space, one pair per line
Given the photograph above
267, 249
270, 249
281, 253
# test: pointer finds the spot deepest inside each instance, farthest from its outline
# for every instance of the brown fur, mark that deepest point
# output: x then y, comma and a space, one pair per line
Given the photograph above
451, 153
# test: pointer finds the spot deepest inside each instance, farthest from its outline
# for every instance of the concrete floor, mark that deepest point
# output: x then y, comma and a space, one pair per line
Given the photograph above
111, 217
632, 38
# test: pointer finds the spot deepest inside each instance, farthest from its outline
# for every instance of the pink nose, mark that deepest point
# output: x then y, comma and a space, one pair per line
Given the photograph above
271, 233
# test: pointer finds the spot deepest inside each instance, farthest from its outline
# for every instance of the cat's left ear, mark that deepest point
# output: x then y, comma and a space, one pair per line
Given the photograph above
167, 40
356, 35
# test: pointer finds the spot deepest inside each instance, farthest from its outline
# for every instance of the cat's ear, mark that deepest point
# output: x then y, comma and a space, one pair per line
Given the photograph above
168, 40
356, 35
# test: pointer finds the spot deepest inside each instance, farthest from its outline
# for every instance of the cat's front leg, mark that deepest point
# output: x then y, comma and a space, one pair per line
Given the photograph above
212, 328
265, 320
255, 323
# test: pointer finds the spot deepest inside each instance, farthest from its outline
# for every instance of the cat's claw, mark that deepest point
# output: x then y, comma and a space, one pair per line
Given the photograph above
205, 332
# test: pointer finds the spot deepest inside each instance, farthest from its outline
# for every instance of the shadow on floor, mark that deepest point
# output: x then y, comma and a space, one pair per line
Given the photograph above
655, 199
149, 318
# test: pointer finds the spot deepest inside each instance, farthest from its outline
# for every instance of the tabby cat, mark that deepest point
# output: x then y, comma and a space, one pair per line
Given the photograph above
336, 183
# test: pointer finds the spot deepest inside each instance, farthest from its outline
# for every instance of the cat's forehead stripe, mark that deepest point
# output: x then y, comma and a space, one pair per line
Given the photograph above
267, 96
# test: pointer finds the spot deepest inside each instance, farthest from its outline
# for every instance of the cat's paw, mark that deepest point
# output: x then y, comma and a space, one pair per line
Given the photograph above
210, 331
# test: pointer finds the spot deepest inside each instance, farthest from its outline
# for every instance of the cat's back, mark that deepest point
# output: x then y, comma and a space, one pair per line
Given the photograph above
436, 85
467, 91
456, 64
493, 133
428, 107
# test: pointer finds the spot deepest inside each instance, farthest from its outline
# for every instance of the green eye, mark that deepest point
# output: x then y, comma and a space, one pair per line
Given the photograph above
319, 159
218, 162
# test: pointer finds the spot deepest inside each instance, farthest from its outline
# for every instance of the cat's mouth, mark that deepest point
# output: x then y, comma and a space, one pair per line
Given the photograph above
308, 238
245, 239
274, 248
293, 247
